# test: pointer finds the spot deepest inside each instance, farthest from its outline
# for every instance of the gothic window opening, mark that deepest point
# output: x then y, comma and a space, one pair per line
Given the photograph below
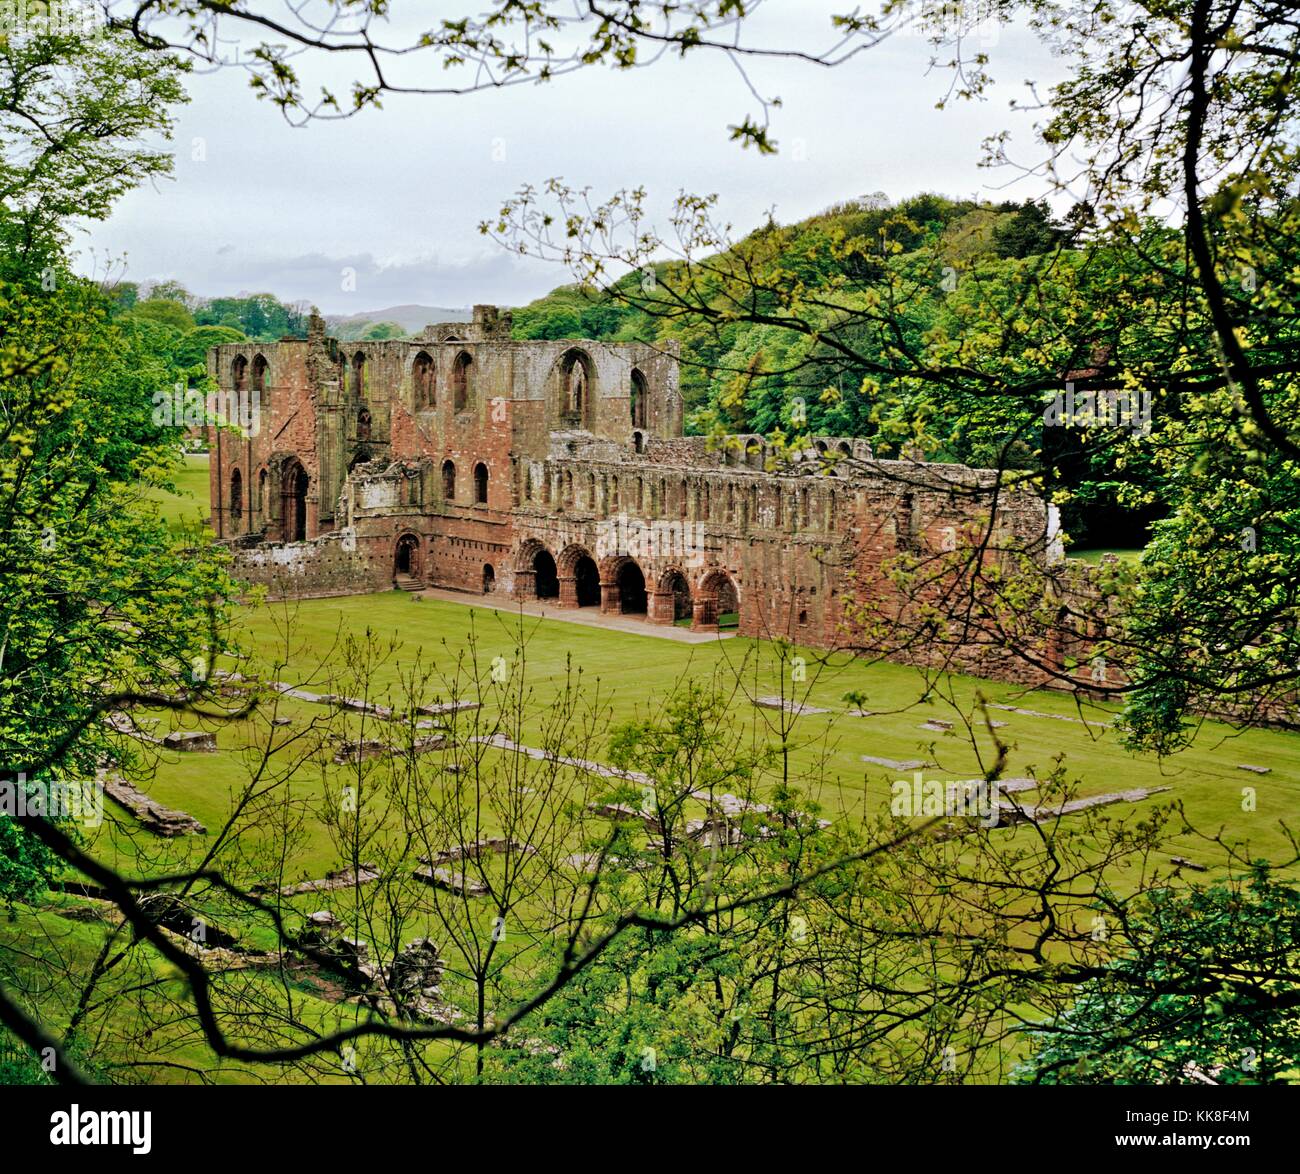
462, 378
639, 394
422, 377
236, 497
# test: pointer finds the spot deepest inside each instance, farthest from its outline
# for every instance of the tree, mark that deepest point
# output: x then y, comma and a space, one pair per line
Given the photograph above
1030, 230
79, 126
1207, 996
166, 312
191, 351
382, 330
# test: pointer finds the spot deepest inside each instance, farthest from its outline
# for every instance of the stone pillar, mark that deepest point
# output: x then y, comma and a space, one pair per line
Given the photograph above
662, 607
568, 591
704, 614
611, 601
526, 584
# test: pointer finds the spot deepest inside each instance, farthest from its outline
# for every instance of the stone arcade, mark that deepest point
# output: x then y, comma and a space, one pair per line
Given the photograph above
557, 470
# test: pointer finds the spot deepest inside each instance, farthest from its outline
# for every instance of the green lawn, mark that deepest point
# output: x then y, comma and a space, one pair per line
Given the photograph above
190, 502
621, 675
632, 674
1094, 556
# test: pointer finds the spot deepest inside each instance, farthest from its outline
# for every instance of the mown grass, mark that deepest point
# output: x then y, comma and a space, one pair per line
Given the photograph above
190, 503
325, 646
625, 676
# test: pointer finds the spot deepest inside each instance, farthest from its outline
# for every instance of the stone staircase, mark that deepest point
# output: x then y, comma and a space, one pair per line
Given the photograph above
408, 583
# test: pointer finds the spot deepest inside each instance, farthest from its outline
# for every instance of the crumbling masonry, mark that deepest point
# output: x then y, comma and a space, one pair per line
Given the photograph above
557, 470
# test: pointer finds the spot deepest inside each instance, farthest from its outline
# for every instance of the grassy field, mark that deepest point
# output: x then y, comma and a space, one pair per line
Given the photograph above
190, 503
1094, 557
629, 675
375, 646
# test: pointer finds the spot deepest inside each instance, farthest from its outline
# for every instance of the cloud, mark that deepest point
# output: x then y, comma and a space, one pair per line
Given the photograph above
349, 283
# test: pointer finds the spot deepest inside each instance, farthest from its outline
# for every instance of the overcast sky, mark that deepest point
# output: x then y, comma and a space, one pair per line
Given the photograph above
397, 194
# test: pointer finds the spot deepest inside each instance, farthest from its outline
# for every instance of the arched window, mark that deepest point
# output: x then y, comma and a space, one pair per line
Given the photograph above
424, 384
639, 393
236, 497
685, 498
261, 370
239, 382
480, 483
293, 502
462, 378
577, 385
261, 491
449, 480
591, 491
363, 424
359, 375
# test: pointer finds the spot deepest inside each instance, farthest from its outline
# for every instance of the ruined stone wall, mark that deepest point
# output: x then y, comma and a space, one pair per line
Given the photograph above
265, 431
323, 567
537, 475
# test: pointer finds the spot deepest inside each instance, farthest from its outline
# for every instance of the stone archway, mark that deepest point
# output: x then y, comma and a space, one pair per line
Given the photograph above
579, 578
293, 501
535, 572
629, 580
671, 600
406, 557
716, 602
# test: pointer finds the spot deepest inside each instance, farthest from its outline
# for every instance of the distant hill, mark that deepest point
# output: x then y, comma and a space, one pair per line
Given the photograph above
410, 318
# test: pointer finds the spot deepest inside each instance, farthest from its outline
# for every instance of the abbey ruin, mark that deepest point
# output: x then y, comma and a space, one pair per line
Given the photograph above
558, 470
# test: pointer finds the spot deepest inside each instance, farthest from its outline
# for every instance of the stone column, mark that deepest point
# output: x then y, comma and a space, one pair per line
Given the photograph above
526, 584
611, 601
704, 614
662, 608
568, 591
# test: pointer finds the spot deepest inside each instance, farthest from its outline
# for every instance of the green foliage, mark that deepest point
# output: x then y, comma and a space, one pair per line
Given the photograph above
97, 597
1031, 230
1210, 992
80, 121
261, 317
166, 312
191, 351
381, 330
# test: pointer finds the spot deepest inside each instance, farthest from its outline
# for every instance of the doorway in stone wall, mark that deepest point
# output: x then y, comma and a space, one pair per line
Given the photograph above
631, 589
406, 557
293, 502
586, 582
